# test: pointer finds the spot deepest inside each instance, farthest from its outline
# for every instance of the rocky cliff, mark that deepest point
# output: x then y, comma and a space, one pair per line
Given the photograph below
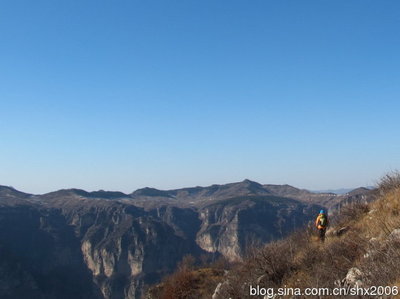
77, 244
228, 226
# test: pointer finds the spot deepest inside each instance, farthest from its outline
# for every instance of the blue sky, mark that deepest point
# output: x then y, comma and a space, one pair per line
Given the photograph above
119, 95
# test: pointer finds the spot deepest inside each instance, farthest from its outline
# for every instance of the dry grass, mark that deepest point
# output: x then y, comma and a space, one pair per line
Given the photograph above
381, 264
188, 281
389, 182
300, 261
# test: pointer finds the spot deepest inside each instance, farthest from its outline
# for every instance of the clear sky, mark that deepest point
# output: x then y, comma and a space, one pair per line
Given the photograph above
119, 95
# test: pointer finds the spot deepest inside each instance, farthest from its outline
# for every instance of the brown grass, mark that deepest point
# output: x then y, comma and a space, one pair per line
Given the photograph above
188, 281
389, 182
301, 261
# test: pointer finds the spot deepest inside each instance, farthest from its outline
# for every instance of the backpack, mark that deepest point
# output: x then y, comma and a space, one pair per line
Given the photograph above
323, 221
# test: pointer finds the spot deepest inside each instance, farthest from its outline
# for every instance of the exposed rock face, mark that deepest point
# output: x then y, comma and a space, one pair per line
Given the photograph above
84, 248
337, 202
354, 278
40, 256
78, 244
124, 246
229, 226
394, 235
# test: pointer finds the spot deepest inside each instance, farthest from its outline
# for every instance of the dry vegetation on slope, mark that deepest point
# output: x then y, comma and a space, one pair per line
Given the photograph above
362, 249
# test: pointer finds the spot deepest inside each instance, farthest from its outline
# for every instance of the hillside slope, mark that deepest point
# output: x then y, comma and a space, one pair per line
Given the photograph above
362, 249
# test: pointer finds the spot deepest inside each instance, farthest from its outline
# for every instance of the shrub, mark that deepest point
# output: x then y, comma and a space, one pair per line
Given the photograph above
389, 182
179, 285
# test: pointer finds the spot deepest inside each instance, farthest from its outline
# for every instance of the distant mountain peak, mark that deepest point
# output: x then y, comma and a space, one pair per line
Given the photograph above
68, 192
249, 181
8, 191
82, 193
360, 190
151, 192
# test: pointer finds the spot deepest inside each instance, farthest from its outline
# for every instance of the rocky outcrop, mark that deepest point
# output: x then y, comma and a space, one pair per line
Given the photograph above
354, 278
230, 226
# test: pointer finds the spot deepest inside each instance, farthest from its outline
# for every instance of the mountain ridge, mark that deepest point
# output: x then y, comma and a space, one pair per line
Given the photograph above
125, 241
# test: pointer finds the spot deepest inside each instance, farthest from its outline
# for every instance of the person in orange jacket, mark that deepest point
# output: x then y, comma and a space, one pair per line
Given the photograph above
321, 223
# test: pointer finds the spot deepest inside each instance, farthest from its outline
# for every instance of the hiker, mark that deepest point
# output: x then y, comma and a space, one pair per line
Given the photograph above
321, 223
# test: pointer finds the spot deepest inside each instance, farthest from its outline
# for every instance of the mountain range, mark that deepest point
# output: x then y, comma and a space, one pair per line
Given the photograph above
107, 244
